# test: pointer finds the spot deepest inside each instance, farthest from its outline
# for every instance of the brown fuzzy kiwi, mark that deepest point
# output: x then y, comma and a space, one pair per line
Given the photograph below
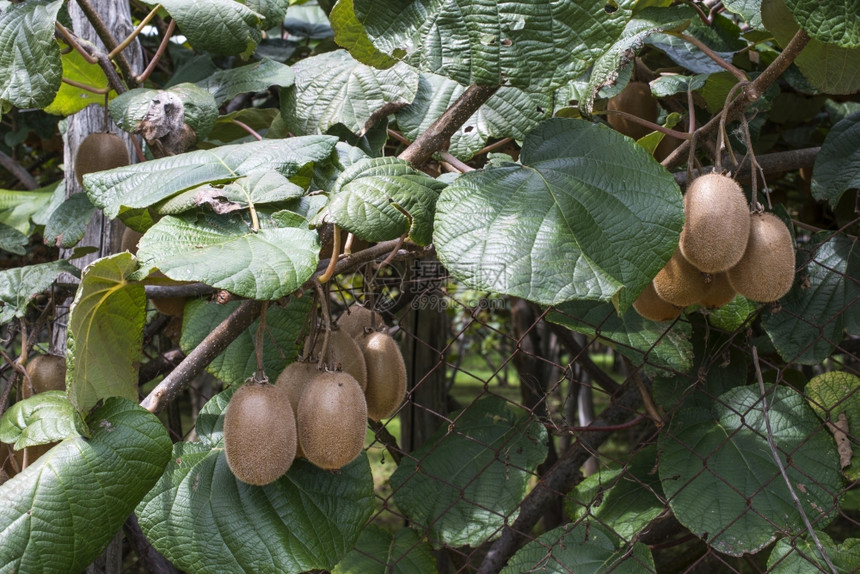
46, 373
679, 282
386, 374
259, 434
294, 378
357, 319
344, 354
129, 240
650, 306
719, 291
635, 99
332, 420
717, 223
99, 152
766, 271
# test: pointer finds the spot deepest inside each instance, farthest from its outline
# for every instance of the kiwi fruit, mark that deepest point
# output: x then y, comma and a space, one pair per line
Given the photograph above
355, 320
99, 152
332, 420
294, 378
719, 291
635, 99
344, 354
47, 373
129, 240
650, 306
259, 434
386, 374
717, 224
766, 271
679, 282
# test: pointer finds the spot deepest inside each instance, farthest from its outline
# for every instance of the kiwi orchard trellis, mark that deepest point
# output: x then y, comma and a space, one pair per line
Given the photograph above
723, 440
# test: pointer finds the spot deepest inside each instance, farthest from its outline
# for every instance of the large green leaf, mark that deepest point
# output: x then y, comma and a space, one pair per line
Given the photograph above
60, 512
143, 184
12, 240
510, 112
200, 107
223, 27
17, 207
792, 556
349, 33
749, 10
832, 22
381, 552
721, 479
105, 333
30, 66
588, 215
204, 520
535, 44
226, 253
821, 304
581, 549
383, 198
837, 165
468, 478
72, 99
835, 397
43, 418
20, 285
257, 77
238, 361
334, 88
829, 67
641, 340
68, 222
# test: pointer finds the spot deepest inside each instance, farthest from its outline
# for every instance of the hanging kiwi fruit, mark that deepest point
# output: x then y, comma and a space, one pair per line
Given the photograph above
99, 152
386, 374
46, 373
766, 271
259, 434
635, 99
679, 282
343, 353
649, 305
357, 319
718, 292
170, 306
331, 420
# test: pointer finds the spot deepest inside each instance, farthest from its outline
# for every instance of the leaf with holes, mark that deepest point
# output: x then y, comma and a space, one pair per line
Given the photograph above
472, 473
721, 479
588, 215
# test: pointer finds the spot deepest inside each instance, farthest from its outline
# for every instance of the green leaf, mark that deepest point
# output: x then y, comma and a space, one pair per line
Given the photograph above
383, 198
226, 130
381, 552
238, 361
30, 66
257, 189
834, 396
472, 473
622, 499
749, 10
225, 252
203, 519
510, 112
68, 222
588, 215
720, 477
222, 27
821, 290
21, 285
666, 347
830, 68
665, 86
63, 510
582, 549
143, 184
535, 44
224, 85
12, 240
832, 22
272, 11
72, 99
17, 207
334, 88
349, 33
43, 418
837, 165
201, 110
733, 314
105, 333
790, 556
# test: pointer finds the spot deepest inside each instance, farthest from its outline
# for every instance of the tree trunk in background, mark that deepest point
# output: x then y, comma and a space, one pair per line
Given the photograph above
101, 232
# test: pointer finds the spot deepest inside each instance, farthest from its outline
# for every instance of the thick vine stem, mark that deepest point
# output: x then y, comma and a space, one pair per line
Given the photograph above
436, 137
561, 478
770, 163
749, 94
109, 41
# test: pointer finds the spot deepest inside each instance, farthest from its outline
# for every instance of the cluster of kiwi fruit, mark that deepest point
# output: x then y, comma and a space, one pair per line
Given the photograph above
724, 250
320, 415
